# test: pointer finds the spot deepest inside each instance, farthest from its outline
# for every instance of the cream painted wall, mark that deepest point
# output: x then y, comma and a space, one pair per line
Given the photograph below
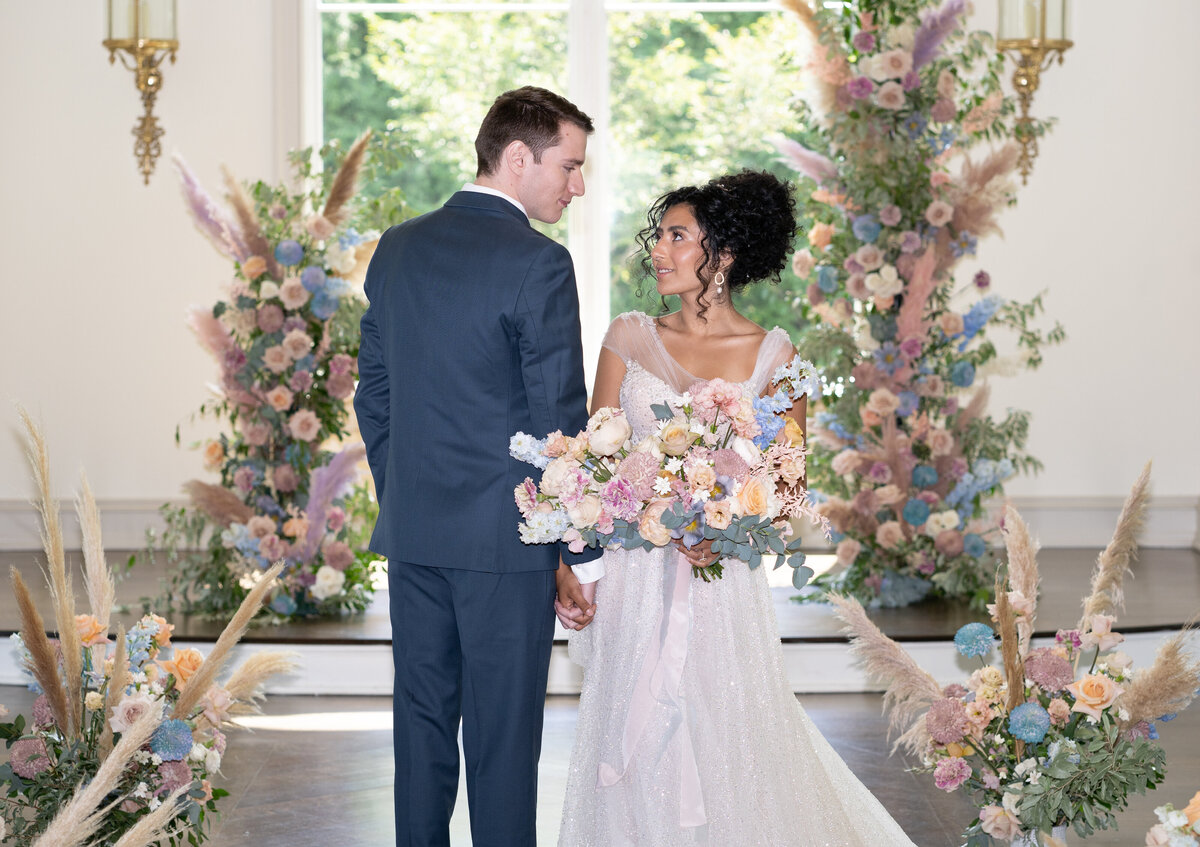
100, 269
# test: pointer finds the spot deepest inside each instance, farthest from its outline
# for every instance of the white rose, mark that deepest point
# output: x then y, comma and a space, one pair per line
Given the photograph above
863, 338
745, 448
610, 435
268, 290
212, 761
886, 282
339, 259
586, 512
329, 582
901, 37
556, 473
199, 751
649, 445
940, 522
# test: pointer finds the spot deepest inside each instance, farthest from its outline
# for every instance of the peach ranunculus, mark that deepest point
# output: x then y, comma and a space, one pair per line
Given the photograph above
1100, 634
941, 442
883, 402
847, 551
214, 455
651, 527
675, 437
889, 534
254, 267
91, 633
304, 425
701, 476
183, 665
998, 823
279, 398
1093, 694
718, 513
821, 234
295, 527
260, 526
890, 495
163, 637
753, 497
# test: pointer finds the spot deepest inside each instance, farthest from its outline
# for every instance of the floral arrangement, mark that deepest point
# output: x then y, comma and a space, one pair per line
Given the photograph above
1053, 736
905, 454
727, 467
286, 341
1176, 827
125, 735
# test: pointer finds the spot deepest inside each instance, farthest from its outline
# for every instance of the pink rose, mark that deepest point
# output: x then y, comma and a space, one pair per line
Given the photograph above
943, 111
888, 535
293, 294
941, 442
300, 381
335, 518
342, 363
260, 526
280, 398
130, 708
284, 478
856, 286
865, 502
1100, 634
276, 359
257, 434
949, 542
998, 823
338, 554
883, 402
846, 462
803, 263
847, 551
890, 215
939, 178
272, 547
890, 96
297, 343
340, 386
939, 213
946, 84
869, 257
894, 64
269, 317
304, 425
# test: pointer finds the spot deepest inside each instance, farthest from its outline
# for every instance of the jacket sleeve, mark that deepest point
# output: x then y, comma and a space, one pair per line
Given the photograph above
547, 327
371, 397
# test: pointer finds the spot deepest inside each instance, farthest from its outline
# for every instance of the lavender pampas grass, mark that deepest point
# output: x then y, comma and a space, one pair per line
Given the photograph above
345, 184
211, 333
813, 165
208, 217
910, 690
327, 483
934, 29
1107, 596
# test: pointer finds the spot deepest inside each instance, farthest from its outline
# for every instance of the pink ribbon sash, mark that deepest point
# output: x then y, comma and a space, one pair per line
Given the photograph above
659, 681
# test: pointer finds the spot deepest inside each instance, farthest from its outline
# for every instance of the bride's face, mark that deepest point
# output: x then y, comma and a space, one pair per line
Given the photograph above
677, 253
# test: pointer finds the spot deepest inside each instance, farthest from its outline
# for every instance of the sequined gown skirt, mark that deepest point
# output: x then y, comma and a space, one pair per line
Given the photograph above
688, 730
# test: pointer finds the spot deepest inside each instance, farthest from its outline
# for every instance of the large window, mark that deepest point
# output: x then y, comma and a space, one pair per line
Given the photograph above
680, 91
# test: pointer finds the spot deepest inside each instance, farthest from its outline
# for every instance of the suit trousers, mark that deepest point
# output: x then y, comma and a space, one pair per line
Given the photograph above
471, 646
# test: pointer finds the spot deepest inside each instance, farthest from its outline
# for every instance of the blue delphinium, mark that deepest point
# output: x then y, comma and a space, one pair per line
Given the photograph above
1029, 722
977, 317
974, 545
827, 278
289, 253
984, 475
802, 377
964, 244
140, 637
866, 228
525, 448
313, 279
766, 414
924, 476
172, 741
962, 374
916, 512
974, 640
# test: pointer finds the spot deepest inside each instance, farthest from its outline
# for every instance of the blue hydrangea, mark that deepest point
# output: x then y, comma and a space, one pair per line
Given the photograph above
829, 421
942, 141
305, 363
915, 125
172, 741
866, 228
909, 401
962, 374
325, 303
974, 545
1029, 722
974, 640
289, 252
964, 244
916, 512
283, 603
984, 475
827, 278
312, 278
525, 448
924, 476
897, 590
268, 506
350, 238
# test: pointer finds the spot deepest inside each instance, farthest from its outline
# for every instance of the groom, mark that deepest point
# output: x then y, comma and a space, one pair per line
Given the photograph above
472, 334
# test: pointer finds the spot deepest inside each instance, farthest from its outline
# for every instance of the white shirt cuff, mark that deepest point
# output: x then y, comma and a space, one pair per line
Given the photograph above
589, 571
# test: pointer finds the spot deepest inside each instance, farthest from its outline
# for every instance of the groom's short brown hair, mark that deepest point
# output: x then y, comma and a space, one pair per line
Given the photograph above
530, 114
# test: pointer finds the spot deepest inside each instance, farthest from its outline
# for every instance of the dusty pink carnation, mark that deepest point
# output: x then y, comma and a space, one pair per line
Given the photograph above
943, 111
173, 775
947, 721
260, 526
272, 547
340, 386
640, 470
28, 757
42, 713
297, 343
269, 317
342, 363
300, 381
949, 542
338, 555
951, 773
256, 434
1048, 670
284, 477
335, 518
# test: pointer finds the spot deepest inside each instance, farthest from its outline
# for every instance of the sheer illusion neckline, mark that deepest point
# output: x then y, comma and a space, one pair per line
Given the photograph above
652, 325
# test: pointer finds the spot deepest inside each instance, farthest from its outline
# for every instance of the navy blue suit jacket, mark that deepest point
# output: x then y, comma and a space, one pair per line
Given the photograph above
472, 334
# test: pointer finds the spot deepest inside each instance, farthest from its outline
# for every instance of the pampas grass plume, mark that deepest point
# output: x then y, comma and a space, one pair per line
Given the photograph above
1107, 596
43, 663
150, 828
245, 685
220, 504
97, 578
1167, 686
1022, 569
345, 183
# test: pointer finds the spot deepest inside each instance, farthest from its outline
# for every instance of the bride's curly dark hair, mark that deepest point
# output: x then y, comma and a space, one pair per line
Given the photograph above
749, 215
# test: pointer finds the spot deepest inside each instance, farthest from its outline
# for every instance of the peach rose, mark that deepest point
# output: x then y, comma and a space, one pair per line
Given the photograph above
183, 665
821, 235
675, 437
718, 513
279, 398
951, 323
869, 256
941, 442
556, 475
293, 294
870, 417
254, 267
883, 402
890, 495
295, 527
753, 497
847, 551
846, 462
651, 527
276, 359
304, 425
163, 637
1093, 694
91, 633
998, 823
297, 343
889, 534
214, 455
1192, 810
791, 469
701, 476
586, 512
803, 263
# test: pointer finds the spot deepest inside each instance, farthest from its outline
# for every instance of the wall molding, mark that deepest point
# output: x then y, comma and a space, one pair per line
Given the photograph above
1054, 521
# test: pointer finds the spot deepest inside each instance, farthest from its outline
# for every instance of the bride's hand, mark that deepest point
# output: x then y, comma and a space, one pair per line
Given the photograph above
701, 555
575, 604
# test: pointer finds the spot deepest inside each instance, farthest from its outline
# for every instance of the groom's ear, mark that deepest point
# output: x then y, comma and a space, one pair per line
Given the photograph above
517, 157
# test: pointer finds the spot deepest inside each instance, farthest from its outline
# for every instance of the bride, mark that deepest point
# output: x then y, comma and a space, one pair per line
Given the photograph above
688, 730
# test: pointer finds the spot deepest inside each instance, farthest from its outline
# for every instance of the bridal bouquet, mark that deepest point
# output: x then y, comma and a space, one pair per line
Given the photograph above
126, 732
725, 466
1051, 736
1176, 827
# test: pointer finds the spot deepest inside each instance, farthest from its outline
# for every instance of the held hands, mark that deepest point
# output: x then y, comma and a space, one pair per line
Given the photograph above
700, 556
575, 604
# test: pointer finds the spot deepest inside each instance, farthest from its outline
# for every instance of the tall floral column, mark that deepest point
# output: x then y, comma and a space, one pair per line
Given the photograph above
906, 165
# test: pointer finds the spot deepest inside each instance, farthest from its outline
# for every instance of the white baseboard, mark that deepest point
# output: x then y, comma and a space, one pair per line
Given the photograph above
1055, 521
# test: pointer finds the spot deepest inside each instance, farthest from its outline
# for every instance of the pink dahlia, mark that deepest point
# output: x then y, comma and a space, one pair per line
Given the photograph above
947, 721
28, 757
951, 773
174, 775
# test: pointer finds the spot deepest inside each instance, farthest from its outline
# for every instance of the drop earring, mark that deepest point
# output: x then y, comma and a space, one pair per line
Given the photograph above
719, 280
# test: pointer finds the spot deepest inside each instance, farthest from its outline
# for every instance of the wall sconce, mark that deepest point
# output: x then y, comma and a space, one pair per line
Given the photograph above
1033, 33
142, 33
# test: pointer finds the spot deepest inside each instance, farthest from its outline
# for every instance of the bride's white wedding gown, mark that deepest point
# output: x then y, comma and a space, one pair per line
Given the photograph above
688, 730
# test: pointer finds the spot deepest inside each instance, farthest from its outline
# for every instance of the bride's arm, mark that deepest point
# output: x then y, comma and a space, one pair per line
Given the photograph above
610, 370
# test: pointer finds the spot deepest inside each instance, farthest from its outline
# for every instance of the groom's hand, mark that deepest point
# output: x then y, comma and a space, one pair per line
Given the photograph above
574, 605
